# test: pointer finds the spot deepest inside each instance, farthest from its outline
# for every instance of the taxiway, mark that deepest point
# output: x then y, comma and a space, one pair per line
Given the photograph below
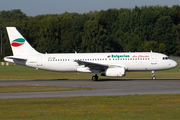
102, 87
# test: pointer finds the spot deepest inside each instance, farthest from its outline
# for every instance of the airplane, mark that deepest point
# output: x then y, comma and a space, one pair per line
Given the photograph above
112, 64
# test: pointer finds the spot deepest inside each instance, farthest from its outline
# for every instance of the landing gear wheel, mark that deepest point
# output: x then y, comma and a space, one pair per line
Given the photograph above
153, 75
95, 78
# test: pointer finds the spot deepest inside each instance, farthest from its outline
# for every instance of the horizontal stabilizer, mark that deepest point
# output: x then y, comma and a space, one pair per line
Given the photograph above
14, 57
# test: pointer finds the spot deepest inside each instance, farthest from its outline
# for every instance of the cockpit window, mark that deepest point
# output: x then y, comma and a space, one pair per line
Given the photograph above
166, 58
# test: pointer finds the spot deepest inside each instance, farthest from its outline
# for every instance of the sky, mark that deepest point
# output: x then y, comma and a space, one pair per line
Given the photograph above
39, 7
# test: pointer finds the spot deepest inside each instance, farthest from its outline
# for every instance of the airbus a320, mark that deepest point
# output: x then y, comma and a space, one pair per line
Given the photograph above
114, 64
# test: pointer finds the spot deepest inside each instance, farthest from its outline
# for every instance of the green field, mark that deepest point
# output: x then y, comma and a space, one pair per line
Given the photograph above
21, 72
136, 107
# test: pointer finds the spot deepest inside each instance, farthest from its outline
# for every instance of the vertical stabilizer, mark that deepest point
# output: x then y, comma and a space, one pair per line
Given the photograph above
18, 43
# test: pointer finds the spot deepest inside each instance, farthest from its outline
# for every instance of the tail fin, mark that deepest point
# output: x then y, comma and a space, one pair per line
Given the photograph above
19, 45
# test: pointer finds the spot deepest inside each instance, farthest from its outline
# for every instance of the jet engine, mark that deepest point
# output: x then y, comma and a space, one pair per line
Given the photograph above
114, 72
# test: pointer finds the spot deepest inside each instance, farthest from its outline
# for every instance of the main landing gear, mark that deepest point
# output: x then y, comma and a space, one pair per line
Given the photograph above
153, 75
94, 77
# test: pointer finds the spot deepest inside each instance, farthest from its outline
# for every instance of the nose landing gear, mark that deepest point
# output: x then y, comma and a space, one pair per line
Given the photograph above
153, 75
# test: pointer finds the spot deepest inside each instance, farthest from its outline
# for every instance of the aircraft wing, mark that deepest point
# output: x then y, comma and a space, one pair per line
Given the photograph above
91, 65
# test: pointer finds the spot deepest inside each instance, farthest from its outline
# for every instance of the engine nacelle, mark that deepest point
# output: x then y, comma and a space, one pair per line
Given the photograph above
114, 72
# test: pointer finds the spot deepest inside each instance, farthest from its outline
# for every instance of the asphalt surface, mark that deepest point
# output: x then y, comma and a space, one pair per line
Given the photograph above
103, 87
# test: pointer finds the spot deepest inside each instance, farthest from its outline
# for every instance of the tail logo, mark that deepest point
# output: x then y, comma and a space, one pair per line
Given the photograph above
18, 42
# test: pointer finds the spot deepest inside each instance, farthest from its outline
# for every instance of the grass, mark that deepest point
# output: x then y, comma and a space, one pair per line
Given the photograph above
136, 107
21, 72
7, 89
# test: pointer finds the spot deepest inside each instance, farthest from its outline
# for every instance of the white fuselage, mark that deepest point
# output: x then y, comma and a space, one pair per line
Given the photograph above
131, 61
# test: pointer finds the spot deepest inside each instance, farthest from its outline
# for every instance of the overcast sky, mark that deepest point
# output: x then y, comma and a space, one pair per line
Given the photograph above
39, 7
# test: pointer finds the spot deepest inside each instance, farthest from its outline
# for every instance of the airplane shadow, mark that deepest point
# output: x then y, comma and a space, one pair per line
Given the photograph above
101, 80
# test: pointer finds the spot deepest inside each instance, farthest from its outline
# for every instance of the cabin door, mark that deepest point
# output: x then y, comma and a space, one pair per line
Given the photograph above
153, 59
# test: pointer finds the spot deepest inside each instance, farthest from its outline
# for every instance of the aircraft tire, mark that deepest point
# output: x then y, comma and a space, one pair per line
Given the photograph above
95, 78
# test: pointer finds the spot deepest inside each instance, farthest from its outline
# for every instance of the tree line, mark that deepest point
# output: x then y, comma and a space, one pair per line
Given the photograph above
140, 29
